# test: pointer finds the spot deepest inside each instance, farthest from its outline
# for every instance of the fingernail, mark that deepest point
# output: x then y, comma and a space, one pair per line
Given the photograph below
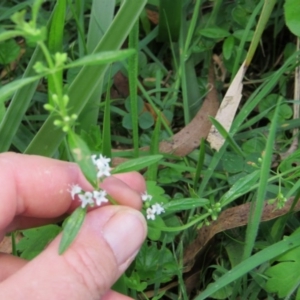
125, 232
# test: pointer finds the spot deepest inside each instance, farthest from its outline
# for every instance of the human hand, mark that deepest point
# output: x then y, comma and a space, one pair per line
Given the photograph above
34, 192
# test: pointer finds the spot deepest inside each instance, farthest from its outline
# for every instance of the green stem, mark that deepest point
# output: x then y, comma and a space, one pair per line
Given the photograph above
57, 85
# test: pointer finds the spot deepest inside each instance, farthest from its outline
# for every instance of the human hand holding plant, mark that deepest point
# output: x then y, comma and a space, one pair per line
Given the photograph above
96, 258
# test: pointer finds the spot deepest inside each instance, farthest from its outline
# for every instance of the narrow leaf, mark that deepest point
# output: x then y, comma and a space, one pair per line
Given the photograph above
137, 164
106, 57
71, 229
242, 186
10, 88
185, 204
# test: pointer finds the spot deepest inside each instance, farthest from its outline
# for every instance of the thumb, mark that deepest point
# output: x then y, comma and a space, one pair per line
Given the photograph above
105, 246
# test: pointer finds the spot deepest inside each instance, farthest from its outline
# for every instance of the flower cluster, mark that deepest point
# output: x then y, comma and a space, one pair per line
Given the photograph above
153, 210
96, 197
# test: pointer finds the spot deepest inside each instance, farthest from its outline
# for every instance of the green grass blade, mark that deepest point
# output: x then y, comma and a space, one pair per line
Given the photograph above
78, 13
241, 46
133, 78
263, 19
136, 164
256, 212
102, 13
48, 138
10, 88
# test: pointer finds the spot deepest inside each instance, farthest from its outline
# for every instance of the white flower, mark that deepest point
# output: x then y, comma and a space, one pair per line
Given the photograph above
75, 189
150, 214
157, 208
146, 197
86, 199
100, 197
104, 160
103, 171
102, 164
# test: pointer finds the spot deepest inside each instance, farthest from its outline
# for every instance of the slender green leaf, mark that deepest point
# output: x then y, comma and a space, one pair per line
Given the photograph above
242, 186
71, 229
263, 19
106, 57
137, 164
214, 32
101, 17
133, 78
10, 88
185, 204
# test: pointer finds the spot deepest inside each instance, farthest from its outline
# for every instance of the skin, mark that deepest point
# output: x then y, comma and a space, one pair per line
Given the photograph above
34, 192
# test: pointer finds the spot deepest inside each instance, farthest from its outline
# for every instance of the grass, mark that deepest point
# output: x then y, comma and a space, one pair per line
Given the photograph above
155, 101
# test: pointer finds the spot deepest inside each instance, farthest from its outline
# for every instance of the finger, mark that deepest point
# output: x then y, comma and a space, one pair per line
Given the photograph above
44, 193
134, 180
112, 295
121, 192
9, 265
105, 246
35, 186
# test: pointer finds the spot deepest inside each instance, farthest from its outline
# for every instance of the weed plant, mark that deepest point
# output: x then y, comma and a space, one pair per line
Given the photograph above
126, 79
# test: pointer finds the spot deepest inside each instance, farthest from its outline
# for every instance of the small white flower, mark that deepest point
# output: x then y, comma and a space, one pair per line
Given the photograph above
158, 209
150, 214
102, 164
103, 171
86, 199
146, 197
75, 189
100, 197
104, 160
